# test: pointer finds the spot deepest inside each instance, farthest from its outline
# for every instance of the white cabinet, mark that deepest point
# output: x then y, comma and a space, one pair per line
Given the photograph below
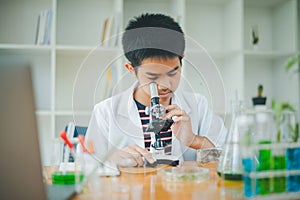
277, 29
70, 74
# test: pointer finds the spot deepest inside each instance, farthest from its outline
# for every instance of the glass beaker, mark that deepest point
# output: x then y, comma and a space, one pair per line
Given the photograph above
230, 166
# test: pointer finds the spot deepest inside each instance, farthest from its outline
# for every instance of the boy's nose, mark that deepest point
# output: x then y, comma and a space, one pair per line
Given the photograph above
164, 85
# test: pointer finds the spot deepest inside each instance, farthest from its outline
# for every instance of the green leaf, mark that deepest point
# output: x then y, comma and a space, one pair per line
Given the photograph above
278, 136
296, 135
291, 62
287, 106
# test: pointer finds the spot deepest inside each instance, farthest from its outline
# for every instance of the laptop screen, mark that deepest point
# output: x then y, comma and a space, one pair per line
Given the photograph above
20, 169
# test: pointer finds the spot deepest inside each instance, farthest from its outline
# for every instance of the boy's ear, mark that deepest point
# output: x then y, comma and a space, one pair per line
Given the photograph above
130, 68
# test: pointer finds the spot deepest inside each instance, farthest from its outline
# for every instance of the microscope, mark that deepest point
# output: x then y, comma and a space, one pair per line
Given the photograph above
156, 125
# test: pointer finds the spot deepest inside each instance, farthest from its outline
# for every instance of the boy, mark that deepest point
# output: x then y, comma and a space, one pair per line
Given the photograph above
154, 46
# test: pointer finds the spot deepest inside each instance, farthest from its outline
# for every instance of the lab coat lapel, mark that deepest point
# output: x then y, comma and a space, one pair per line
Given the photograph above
128, 117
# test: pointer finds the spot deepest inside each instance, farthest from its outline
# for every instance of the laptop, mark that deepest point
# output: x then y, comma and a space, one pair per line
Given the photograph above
20, 169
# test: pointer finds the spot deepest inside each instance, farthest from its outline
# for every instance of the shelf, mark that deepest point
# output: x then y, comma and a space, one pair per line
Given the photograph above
24, 48
225, 54
43, 113
264, 4
135, 8
215, 25
71, 113
18, 20
72, 49
215, 2
268, 69
63, 113
275, 21
40, 64
213, 54
81, 22
74, 72
267, 54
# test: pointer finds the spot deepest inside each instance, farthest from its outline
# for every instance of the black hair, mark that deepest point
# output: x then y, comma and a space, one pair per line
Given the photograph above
152, 36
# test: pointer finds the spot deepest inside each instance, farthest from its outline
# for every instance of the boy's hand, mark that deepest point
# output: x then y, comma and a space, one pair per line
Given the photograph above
131, 156
182, 128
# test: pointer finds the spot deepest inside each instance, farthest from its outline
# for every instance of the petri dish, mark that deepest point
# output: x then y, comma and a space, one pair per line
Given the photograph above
185, 174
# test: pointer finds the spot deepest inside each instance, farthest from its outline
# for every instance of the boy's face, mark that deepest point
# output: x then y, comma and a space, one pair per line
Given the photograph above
165, 72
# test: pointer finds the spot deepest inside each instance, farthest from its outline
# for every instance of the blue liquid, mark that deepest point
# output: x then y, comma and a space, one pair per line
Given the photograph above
249, 190
293, 163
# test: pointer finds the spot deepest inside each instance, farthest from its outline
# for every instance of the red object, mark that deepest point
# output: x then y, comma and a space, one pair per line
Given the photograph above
63, 136
81, 141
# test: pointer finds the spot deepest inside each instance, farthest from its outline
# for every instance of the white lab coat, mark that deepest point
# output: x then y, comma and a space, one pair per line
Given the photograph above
115, 124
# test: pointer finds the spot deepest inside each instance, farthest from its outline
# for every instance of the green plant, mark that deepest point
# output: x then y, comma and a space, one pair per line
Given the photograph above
295, 131
292, 61
278, 108
260, 89
255, 37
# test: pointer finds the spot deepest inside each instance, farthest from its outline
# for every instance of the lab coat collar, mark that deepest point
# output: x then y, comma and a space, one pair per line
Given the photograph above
127, 103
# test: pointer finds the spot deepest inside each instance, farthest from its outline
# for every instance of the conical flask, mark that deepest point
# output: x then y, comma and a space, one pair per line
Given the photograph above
230, 165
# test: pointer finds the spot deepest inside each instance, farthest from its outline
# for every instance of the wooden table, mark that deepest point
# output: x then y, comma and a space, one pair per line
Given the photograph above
147, 183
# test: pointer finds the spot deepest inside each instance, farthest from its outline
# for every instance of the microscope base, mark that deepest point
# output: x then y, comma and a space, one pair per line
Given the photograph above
164, 159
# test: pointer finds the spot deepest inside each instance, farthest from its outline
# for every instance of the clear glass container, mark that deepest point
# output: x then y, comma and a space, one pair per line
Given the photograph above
185, 174
230, 165
208, 155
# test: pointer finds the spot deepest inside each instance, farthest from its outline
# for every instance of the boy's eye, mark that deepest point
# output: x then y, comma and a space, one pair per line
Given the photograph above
152, 78
172, 74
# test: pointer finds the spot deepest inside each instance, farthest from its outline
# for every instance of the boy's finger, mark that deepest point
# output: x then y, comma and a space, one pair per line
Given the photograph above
145, 153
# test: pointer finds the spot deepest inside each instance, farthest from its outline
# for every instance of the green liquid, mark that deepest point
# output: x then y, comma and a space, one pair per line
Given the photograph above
264, 158
279, 184
279, 162
232, 177
65, 179
263, 186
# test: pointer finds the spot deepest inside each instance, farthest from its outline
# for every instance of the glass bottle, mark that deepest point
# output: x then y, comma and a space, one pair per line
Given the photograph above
230, 164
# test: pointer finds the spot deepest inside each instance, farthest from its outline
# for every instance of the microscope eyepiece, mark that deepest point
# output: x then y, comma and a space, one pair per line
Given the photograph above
154, 94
